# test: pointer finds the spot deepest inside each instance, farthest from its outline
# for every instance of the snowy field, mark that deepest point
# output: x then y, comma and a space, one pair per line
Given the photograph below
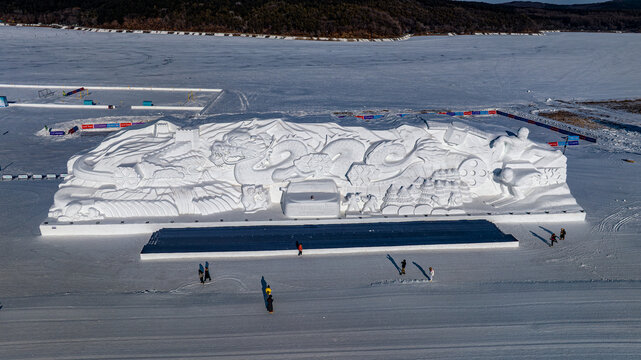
93, 298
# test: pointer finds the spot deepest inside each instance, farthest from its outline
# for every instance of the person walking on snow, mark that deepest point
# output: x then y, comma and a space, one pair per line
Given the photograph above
201, 271
403, 264
299, 246
562, 234
270, 305
431, 273
207, 276
268, 291
553, 239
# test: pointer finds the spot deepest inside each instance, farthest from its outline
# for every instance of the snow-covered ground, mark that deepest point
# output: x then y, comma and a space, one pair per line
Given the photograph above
91, 297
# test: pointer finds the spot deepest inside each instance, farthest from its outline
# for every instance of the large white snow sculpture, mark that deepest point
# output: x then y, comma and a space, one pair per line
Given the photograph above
253, 166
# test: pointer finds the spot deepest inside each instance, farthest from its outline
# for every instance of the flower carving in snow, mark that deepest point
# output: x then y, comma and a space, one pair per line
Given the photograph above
361, 174
317, 163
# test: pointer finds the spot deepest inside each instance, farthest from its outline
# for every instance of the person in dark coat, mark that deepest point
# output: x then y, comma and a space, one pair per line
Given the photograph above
562, 234
403, 264
207, 276
270, 305
201, 271
553, 239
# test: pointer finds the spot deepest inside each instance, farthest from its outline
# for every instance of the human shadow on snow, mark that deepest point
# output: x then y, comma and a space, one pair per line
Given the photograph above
422, 270
546, 229
539, 237
391, 259
263, 285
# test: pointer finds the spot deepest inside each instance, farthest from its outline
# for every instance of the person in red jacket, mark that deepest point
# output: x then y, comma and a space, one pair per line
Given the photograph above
299, 246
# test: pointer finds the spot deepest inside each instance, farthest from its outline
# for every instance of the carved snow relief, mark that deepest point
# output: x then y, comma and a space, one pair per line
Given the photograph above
247, 167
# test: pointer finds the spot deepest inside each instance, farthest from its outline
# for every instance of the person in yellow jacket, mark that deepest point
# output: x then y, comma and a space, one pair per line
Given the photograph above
268, 290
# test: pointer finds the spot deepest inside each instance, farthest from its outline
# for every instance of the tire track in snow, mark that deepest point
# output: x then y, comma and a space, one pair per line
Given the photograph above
194, 286
244, 102
622, 216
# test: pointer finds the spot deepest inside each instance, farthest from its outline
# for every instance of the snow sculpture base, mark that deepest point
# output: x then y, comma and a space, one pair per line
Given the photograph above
138, 226
311, 199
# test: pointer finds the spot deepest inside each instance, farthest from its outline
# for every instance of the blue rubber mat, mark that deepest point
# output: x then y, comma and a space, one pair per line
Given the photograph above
323, 236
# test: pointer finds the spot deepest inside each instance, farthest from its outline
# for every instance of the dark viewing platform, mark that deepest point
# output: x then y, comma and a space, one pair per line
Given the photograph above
359, 238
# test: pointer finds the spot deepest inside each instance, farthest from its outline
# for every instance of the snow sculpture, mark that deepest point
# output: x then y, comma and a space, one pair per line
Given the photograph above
316, 165
344, 153
255, 198
371, 205
361, 174
416, 168
353, 202
526, 169
473, 171
238, 145
455, 134
275, 164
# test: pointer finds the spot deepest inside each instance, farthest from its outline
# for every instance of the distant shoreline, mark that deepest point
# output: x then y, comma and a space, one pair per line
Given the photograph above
291, 37
260, 36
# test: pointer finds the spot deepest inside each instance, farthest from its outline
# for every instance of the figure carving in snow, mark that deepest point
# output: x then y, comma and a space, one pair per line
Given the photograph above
520, 148
518, 182
254, 198
371, 205
518, 179
353, 202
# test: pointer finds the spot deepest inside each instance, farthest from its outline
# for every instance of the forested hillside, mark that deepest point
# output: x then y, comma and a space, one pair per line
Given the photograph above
344, 18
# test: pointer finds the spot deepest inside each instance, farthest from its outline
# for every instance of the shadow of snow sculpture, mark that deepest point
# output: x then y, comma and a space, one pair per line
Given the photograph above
251, 167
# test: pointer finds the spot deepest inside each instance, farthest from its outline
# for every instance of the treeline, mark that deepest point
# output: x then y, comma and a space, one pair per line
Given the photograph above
332, 18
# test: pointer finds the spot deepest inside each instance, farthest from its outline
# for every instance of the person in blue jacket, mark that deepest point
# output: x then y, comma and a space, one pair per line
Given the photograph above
201, 272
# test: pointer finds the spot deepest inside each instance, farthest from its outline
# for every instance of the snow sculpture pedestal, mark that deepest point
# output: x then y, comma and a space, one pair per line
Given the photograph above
311, 199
